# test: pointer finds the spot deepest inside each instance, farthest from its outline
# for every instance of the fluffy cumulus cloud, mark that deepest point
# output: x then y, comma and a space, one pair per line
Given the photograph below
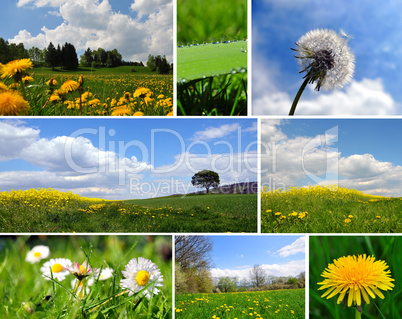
365, 97
285, 161
75, 164
290, 161
65, 163
298, 246
94, 24
291, 268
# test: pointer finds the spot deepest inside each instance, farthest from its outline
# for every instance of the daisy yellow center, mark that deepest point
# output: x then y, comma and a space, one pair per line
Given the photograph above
57, 268
82, 270
142, 277
37, 254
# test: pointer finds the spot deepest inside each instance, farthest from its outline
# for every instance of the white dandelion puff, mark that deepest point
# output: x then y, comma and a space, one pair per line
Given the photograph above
327, 60
139, 274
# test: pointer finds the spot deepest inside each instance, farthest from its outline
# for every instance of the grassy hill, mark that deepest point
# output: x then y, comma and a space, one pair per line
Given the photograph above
329, 209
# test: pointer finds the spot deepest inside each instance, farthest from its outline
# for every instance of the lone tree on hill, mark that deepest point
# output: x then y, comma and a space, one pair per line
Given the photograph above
205, 179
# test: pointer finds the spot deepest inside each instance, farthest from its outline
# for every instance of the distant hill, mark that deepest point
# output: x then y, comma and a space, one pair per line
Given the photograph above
237, 188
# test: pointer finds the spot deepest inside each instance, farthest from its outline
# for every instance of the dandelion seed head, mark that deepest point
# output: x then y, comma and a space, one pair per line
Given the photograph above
326, 58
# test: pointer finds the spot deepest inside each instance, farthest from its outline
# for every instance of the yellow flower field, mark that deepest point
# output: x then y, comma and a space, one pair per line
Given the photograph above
327, 209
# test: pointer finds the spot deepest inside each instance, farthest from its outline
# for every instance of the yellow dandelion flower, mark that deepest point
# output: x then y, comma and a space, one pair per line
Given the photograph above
121, 111
142, 92
356, 277
170, 113
69, 86
3, 87
16, 69
161, 96
54, 97
52, 82
138, 113
27, 79
347, 220
12, 103
94, 102
278, 214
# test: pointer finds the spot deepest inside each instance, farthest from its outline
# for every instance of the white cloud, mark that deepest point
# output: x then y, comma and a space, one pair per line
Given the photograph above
298, 246
216, 132
365, 97
292, 268
287, 161
94, 24
14, 138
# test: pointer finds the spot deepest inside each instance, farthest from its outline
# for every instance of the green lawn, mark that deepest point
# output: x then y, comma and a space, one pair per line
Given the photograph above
258, 304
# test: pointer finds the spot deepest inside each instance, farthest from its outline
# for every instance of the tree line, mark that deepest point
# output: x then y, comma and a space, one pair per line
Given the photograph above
65, 56
192, 272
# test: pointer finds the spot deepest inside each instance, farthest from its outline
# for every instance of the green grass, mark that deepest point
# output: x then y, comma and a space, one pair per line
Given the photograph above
108, 85
211, 59
323, 251
202, 213
22, 282
204, 20
329, 212
207, 21
261, 304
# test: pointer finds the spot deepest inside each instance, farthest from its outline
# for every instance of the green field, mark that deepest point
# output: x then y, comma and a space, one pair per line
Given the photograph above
325, 210
103, 92
52, 211
259, 304
22, 282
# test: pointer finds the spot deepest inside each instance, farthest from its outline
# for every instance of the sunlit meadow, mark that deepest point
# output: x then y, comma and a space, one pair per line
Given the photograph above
48, 210
121, 91
258, 304
85, 277
328, 209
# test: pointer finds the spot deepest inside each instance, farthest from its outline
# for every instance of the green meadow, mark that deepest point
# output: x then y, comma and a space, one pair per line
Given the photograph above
52, 211
284, 304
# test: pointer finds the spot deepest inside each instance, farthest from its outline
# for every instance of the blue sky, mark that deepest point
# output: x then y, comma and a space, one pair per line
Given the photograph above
123, 158
359, 154
134, 28
376, 41
234, 256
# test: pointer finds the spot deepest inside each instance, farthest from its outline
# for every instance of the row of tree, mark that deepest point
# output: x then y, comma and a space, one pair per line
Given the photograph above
192, 273
66, 57
12, 51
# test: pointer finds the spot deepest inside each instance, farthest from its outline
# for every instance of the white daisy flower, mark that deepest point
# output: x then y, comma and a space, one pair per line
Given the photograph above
105, 274
326, 58
37, 253
58, 268
140, 274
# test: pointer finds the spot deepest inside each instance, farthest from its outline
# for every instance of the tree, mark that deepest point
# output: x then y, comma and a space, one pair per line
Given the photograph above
51, 58
205, 179
193, 251
70, 59
257, 276
193, 263
227, 284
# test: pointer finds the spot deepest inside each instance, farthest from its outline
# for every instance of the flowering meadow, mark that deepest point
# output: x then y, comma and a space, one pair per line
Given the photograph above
288, 303
369, 265
328, 209
86, 277
49, 210
96, 92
